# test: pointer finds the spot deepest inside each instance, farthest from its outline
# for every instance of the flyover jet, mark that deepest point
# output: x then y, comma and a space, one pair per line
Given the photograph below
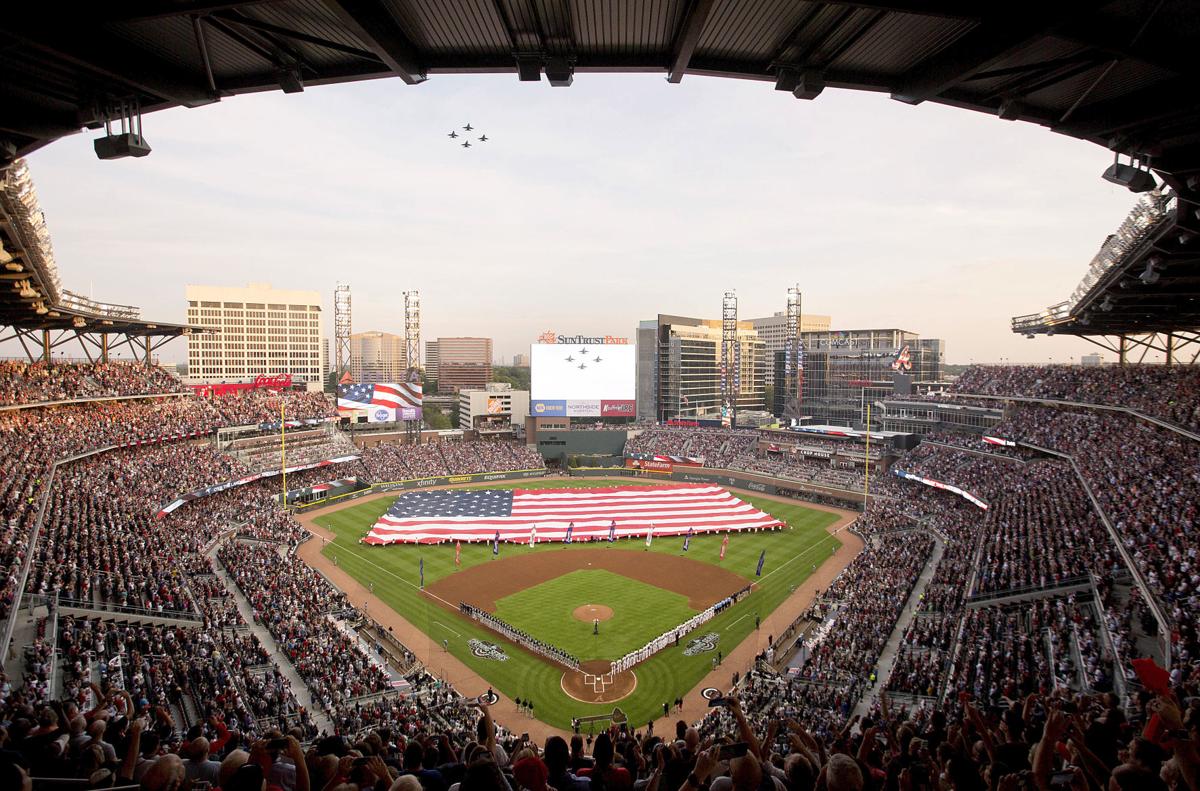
466, 144
468, 127
452, 134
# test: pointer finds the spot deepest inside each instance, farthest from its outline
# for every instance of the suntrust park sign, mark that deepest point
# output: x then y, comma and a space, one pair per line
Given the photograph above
550, 336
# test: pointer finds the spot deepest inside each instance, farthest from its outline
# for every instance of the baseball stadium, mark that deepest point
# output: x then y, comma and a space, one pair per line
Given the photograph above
639, 571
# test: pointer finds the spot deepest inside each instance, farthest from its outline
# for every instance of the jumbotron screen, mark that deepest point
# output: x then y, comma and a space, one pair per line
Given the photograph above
582, 380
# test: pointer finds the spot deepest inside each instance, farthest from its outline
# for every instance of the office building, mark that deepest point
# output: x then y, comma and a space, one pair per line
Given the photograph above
772, 331
378, 357
520, 361
431, 360
260, 331
679, 369
496, 408
845, 370
459, 362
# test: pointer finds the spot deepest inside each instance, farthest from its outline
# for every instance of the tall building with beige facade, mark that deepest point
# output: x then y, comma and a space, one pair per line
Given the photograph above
459, 362
259, 331
378, 357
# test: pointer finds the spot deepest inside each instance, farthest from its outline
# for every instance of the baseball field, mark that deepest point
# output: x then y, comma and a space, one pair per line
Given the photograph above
564, 594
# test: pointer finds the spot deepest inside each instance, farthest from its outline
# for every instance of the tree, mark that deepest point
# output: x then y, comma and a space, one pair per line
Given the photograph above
517, 377
435, 418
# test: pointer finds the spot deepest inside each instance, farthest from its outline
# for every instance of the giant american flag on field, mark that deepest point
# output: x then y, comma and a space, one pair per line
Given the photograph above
383, 402
627, 511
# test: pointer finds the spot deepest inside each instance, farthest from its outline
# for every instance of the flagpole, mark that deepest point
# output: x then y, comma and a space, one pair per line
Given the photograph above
283, 445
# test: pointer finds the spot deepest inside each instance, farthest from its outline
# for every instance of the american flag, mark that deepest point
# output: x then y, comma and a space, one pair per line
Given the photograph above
511, 514
389, 395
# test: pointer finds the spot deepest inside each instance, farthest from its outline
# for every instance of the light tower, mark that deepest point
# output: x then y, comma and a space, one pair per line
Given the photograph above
793, 381
412, 354
341, 330
412, 334
731, 359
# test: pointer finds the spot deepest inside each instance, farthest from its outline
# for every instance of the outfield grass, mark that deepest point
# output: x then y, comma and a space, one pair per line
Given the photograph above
641, 612
393, 570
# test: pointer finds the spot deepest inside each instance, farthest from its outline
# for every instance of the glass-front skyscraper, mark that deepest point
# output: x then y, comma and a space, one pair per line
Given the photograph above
844, 370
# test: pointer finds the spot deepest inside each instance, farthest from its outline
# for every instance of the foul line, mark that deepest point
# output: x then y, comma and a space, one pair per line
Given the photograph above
391, 573
447, 628
829, 536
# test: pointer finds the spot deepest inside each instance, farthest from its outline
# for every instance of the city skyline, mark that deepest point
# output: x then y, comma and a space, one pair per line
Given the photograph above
594, 208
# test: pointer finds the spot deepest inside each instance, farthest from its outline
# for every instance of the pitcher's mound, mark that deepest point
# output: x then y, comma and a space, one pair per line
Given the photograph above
592, 612
587, 688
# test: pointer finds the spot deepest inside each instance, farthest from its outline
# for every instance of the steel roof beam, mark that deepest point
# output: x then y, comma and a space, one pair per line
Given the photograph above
109, 57
372, 24
989, 42
149, 10
686, 38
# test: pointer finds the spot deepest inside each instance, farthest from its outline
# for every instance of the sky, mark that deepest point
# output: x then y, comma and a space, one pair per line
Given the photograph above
593, 207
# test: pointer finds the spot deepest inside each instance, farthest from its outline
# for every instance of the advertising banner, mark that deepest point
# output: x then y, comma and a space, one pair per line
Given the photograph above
276, 382
495, 406
618, 408
550, 408
649, 465
583, 407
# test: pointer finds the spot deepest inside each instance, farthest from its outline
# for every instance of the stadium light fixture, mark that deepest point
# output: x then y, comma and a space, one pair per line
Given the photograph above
1151, 275
128, 141
290, 80
560, 71
1107, 304
810, 85
1131, 177
529, 67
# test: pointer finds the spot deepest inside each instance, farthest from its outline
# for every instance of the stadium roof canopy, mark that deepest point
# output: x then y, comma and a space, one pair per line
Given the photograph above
35, 308
1121, 73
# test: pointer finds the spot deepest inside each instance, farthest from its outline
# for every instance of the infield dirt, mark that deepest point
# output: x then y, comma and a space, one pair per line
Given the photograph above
702, 583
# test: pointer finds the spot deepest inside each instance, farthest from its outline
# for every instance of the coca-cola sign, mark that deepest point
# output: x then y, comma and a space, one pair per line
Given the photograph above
262, 381
276, 382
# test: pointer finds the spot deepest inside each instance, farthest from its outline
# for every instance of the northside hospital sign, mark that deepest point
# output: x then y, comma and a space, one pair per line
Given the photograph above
582, 376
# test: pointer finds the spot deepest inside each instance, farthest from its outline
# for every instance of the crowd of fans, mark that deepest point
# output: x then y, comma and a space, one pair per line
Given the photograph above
1168, 393
1011, 695
30, 383
716, 447
297, 606
391, 461
1147, 480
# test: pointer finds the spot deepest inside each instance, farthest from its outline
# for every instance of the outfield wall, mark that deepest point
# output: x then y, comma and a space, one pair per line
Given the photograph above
424, 483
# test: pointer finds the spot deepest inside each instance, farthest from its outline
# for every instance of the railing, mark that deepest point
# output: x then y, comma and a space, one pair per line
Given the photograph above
1052, 589
23, 574
1088, 405
94, 399
103, 609
78, 302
